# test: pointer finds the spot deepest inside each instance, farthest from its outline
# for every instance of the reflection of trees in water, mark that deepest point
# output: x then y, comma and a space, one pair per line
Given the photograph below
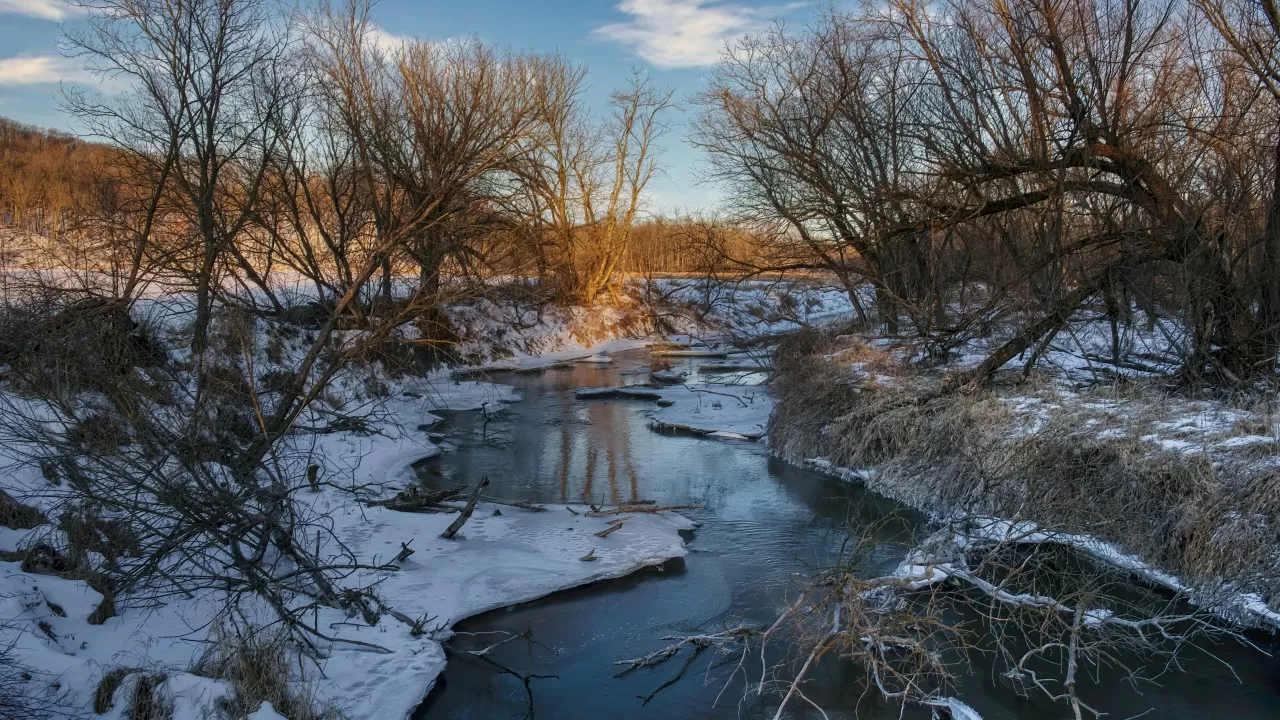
606, 429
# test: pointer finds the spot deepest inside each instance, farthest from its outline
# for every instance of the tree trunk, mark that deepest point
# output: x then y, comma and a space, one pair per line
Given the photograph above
1052, 321
1269, 302
887, 308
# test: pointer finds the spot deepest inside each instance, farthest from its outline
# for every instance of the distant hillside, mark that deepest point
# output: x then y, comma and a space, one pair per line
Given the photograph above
46, 177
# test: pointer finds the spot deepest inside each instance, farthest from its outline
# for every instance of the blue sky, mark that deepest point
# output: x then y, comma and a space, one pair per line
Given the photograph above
676, 41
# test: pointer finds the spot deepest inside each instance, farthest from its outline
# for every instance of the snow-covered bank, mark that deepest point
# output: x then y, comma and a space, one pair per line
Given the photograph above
1243, 608
502, 556
497, 560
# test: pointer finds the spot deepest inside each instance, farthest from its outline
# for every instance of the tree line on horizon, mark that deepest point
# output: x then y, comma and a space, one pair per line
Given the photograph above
963, 165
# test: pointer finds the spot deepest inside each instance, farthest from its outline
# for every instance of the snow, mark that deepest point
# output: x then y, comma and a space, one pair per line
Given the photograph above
1245, 608
669, 377
443, 393
958, 710
496, 560
742, 410
266, 712
825, 466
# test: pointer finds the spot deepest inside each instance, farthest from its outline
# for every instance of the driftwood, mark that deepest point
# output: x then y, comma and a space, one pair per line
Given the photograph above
523, 505
405, 552
641, 508
616, 526
591, 556
411, 499
463, 516
733, 367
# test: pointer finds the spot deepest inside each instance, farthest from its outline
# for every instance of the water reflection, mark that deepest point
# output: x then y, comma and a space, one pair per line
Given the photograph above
765, 522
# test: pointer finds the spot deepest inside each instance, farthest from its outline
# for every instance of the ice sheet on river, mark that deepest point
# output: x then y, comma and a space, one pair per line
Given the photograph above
498, 560
723, 411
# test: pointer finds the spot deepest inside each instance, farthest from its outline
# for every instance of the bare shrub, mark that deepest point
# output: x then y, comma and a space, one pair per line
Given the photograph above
1050, 619
72, 341
14, 514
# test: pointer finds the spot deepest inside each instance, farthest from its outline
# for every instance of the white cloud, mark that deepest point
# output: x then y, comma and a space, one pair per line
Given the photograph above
385, 41
43, 9
40, 69
684, 33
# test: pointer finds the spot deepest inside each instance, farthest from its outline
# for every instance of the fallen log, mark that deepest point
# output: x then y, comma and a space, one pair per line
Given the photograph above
522, 504
405, 552
463, 516
411, 499
641, 508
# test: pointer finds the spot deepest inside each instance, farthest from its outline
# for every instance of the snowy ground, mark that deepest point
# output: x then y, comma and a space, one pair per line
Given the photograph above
497, 560
501, 557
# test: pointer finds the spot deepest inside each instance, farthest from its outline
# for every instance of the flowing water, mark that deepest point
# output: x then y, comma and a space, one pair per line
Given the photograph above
764, 525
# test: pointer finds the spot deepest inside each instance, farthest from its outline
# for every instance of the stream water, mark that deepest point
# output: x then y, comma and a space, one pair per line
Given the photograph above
764, 525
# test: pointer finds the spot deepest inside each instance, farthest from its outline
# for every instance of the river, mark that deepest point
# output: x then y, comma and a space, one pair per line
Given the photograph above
765, 524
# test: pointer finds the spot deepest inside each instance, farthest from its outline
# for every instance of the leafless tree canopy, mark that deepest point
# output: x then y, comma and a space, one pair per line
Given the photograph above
980, 162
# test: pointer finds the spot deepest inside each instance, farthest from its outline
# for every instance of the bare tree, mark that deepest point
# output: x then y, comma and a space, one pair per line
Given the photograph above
1063, 152
586, 183
1251, 29
197, 121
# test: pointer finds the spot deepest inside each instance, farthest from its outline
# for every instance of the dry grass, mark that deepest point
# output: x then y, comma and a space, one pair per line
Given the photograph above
258, 667
17, 516
1209, 518
150, 699
104, 694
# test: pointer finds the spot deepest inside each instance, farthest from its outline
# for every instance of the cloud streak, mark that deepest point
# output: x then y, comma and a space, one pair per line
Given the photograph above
40, 70
42, 9
683, 33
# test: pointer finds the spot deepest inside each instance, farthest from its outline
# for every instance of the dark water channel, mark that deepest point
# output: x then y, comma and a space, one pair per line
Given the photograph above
765, 523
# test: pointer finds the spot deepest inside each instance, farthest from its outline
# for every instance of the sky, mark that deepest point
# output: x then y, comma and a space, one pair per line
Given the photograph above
675, 41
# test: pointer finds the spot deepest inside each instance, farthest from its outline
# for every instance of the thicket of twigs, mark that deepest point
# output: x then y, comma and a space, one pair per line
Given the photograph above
994, 162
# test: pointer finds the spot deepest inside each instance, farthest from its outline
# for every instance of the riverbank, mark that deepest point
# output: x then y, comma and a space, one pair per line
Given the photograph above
1181, 490
501, 556
84, 649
